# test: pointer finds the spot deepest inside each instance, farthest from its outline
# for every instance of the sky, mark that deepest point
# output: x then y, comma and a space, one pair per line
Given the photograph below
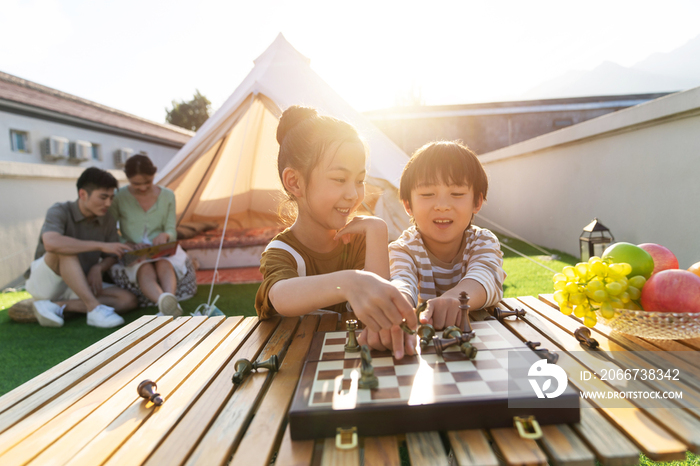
139, 55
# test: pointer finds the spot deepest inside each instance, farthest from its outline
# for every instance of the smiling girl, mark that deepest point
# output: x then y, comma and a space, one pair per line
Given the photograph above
325, 259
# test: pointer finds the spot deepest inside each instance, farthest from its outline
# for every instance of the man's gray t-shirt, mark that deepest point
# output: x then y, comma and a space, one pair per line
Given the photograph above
66, 219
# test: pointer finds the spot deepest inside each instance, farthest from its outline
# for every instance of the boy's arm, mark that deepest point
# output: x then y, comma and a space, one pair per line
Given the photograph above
484, 268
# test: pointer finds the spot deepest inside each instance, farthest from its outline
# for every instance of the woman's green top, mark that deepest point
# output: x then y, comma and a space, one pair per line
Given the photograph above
134, 222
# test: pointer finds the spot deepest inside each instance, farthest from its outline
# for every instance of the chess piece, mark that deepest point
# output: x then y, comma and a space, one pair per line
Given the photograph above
425, 332
452, 332
352, 345
583, 335
465, 325
468, 350
367, 377
404, 326
147, 389
441, 344
243, 367
543, 353
272, 364
500, 314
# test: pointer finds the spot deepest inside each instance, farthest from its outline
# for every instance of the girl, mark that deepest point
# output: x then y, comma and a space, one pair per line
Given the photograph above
146, 215
323, 260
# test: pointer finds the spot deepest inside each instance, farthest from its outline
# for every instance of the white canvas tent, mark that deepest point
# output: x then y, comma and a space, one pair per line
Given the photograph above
240, 139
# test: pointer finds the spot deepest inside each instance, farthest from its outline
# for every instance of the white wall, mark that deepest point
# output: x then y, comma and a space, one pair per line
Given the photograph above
27, 190
39, 129
637, 170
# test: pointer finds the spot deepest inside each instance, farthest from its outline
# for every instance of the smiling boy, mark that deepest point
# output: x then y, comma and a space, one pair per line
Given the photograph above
442, 254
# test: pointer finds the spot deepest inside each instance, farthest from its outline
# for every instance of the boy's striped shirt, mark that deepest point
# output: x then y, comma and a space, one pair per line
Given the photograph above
415, 270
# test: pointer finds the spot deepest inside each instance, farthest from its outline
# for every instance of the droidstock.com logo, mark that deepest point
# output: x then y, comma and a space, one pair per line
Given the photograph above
542, 369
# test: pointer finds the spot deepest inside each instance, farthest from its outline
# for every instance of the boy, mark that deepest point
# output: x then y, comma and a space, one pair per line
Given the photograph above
442, 254
67, 271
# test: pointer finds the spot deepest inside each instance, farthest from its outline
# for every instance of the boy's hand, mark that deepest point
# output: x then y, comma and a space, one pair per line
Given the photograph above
377, 303
394, 340
362, 224
94, 279
442, 312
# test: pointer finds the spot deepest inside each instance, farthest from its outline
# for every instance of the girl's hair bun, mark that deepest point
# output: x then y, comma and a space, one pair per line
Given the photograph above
292, 117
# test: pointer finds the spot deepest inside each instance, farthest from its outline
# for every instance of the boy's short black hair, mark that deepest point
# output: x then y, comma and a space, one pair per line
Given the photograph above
449, 162
94, 178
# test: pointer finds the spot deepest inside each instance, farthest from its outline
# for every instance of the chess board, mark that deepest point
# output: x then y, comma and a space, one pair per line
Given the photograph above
417, 393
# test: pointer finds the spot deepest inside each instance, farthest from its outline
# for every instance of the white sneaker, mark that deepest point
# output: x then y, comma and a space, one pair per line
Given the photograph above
168, 305
48, 314
104, 317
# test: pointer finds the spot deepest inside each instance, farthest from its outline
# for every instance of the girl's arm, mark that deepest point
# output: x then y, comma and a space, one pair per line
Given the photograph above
376, 302
376, 239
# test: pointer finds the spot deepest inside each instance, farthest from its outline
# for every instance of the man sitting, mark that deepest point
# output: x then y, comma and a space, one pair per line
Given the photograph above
78, 242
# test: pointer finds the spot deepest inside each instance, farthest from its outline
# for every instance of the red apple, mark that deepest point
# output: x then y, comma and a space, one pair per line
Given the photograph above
663, 258
672, 291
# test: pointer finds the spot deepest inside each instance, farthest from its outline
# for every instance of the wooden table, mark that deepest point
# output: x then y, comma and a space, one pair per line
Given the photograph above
85, 410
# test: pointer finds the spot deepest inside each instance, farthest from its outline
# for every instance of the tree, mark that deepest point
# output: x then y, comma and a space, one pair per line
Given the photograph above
189, 115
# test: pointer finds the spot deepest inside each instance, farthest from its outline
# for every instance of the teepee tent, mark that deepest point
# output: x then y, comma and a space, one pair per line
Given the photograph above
233, 155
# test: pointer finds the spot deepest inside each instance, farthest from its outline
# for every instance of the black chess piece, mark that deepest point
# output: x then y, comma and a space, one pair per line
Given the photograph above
469, 350
500, 314
543, 353
367, 378
352, 346
272, 364
452, 332
583, 335
147, 389
465, 325
425, 332
243, 367
441, 344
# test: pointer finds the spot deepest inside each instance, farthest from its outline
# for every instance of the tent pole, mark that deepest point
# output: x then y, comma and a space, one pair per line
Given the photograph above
230, 199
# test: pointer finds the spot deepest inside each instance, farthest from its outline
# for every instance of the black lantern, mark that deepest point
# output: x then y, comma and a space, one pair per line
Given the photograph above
594, 239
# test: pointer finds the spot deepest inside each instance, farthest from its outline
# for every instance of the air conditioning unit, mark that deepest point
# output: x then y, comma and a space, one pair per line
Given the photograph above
121, 155
80, 151
55, 148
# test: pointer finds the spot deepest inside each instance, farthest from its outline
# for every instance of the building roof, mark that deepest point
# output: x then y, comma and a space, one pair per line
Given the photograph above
21, 96
512, 107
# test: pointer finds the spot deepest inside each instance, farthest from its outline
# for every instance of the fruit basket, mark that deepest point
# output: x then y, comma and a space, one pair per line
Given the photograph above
654, 325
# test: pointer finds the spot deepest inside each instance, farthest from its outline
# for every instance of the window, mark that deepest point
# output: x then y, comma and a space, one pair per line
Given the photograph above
96, 151
19, 141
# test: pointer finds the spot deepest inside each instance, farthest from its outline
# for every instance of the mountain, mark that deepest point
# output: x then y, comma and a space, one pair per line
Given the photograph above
661, 72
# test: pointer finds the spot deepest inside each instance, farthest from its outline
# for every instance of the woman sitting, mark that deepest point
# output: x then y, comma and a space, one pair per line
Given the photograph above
146, 216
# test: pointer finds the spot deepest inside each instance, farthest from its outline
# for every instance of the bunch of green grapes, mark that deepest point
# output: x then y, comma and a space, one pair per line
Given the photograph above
596, 284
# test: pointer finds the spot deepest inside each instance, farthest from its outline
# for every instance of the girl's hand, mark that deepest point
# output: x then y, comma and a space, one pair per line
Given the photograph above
161, 239
377, 303
394, 339
362, 224
442, 312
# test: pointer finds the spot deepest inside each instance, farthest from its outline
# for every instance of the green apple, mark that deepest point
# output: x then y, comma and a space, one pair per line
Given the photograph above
641, 261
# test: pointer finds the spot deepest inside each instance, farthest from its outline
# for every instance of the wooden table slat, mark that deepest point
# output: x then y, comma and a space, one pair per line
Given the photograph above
187, 378
28, 388
76, 438
223, 436
294, 452
64, 383
382, 450
471, 448
332, 456
654, 440
266, 429
40, 439
564, 447
201, 410
26, 425
517, 450
609, 445
426, 449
